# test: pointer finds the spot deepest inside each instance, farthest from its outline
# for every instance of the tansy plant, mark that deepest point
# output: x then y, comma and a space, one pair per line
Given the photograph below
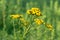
32, 11
33, 18
37, 12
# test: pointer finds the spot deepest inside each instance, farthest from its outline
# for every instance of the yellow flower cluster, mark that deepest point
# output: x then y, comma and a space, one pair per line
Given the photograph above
38, 21
49, 26
34, 11
16, 16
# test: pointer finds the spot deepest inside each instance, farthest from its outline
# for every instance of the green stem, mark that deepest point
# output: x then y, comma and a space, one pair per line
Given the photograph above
26, 31
14, 30
3, 13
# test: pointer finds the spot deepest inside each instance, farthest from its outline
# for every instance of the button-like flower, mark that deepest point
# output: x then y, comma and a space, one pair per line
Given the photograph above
34, 11
38, 21
49, 26
16, 16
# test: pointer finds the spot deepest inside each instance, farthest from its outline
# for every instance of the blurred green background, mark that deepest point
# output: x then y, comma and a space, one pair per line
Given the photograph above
49, 8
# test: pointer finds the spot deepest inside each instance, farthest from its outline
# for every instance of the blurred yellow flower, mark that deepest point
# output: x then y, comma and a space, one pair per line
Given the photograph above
38, 21
49, 26
16, 16
34, 11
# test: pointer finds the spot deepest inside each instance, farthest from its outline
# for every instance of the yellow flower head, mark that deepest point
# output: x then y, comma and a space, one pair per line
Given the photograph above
49, 26
34, 11
38, 21
16, 16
